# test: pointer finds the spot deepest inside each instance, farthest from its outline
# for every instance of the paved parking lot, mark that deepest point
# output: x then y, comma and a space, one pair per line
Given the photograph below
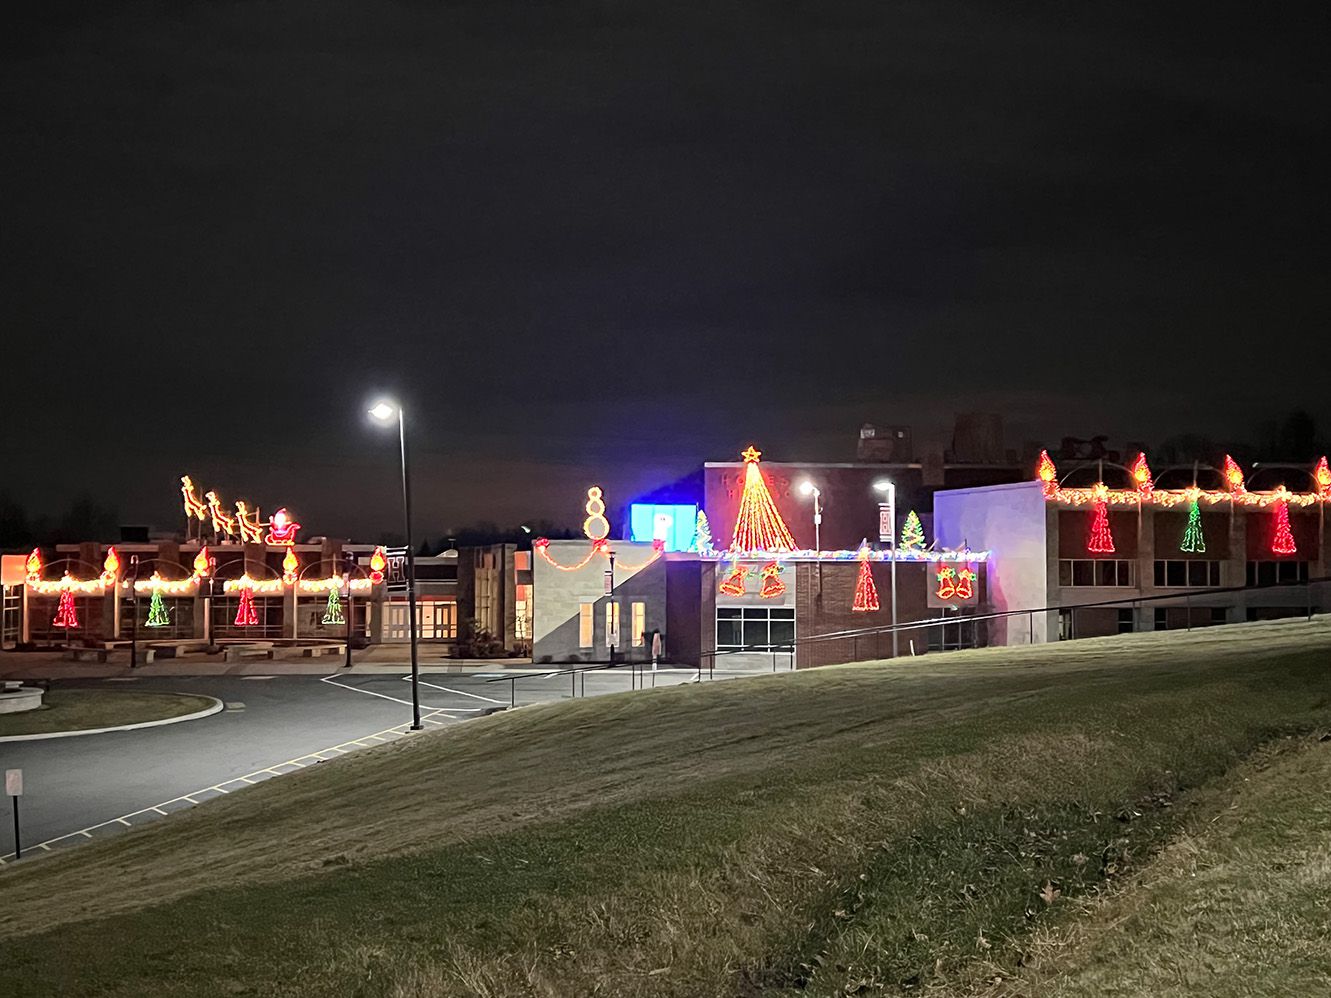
81, 788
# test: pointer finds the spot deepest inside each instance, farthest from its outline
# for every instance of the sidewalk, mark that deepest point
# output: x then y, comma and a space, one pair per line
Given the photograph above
384, 659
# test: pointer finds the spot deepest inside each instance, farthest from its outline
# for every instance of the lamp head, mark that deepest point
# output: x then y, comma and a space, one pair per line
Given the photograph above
808, 488
383, 410
884, 485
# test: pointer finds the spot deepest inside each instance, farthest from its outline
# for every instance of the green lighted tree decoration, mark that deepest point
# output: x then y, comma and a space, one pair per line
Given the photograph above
912, 534
157, 615
1194, 541
333, 611
702, 542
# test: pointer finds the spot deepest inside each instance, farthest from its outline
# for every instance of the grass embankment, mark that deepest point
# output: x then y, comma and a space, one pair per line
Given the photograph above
866, 829
1237, 905
79, 710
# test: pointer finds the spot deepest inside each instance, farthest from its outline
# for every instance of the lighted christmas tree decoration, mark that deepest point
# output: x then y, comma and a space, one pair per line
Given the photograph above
733, 584
1194, 542
702, 541
759, 526
947, 582
1101, 540
912, 533
1233, 475
202, 566
333, 611
772, 586
1283, 541
866, 593
66, 614
1141, 476
33, 566
157, 615
246, 615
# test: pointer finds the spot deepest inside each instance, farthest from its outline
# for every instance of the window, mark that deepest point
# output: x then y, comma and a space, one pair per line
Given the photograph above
586, 625
1271, 573
1094, 572
1127, 622
1161, 617
639, 624
612, 625
1187, 574
1219, 615
758, 627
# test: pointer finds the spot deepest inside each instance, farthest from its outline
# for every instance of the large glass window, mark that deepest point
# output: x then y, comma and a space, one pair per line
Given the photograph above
1180, 574
757, 627
1270, 573
1107, 572
586, 625
639, 624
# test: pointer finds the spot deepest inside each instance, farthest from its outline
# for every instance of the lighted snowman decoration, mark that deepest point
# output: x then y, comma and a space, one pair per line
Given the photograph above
596, 526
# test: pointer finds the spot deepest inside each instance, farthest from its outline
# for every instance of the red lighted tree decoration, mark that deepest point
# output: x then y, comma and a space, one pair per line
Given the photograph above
1102, 538
759, 526
1283, 541
66, 614
246, 616
866, 593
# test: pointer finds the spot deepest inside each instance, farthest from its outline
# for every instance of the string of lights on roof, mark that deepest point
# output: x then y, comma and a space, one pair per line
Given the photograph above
110, 578
1144, 491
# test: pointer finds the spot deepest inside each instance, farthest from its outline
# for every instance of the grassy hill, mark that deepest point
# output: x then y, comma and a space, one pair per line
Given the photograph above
888, 828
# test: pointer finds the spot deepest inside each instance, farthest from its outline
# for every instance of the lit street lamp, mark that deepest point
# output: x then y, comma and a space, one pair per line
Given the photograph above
384, 411
809, 489
887, 531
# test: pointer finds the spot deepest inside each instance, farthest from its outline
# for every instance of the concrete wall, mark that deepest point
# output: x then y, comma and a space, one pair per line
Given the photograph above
1011, 522
557, 596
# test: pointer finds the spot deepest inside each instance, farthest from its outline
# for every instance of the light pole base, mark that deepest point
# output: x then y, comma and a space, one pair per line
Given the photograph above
417, 727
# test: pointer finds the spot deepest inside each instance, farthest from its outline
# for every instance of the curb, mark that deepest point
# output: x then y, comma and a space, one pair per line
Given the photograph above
215, 708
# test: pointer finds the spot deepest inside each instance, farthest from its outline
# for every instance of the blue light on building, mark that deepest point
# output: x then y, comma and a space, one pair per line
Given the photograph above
674, 523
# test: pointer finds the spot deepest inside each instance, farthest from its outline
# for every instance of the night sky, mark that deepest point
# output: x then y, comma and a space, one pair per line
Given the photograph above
608, 241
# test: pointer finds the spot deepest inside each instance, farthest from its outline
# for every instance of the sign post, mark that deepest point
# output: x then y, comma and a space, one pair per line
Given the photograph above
14, 787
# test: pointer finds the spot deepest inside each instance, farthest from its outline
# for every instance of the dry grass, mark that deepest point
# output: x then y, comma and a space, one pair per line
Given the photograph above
880, 828
1237, 905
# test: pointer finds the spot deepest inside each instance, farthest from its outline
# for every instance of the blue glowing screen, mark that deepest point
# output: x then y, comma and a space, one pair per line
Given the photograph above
674, 523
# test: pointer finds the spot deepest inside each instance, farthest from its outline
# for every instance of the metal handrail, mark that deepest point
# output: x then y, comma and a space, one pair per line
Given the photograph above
710, 656
1184, 595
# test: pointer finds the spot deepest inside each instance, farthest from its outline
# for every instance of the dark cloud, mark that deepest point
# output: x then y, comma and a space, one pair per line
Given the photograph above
596, 240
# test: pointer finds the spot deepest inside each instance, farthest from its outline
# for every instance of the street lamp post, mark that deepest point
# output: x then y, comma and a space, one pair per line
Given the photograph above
809, 489
134, 612
351, 602
384, 411
887, 530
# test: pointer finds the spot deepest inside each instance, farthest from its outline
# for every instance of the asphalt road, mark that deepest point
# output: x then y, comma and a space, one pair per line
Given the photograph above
86, 787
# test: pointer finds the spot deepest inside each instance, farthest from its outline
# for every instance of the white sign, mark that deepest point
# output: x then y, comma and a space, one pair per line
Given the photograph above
609, 583
884, 522
14, 782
